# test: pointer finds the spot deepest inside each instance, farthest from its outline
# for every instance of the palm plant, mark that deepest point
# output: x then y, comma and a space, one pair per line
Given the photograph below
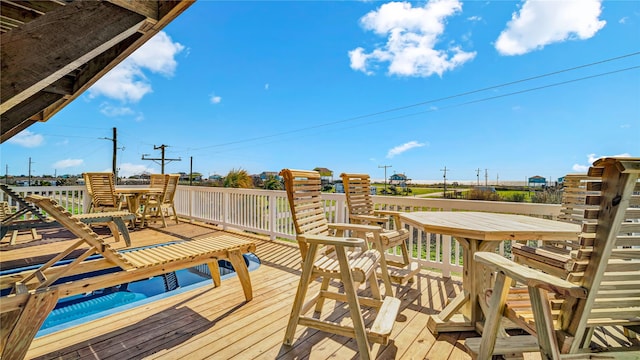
238, 179
272, 183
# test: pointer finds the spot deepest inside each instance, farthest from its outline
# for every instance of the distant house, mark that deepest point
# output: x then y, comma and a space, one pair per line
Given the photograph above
215, 177
265, 175
398, 180
537, 181
326, 175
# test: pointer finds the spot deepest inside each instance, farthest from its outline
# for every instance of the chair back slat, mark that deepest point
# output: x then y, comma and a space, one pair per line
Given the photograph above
101, 188
170, 188
303, 192
358, 190
158, 181
608, 261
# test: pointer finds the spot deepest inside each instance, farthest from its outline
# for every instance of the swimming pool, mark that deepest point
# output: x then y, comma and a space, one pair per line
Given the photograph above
82, 308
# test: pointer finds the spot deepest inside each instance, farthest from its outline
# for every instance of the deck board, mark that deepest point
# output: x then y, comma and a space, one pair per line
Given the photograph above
216, 323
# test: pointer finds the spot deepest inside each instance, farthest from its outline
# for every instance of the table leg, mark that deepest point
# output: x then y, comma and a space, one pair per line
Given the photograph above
450, 319
464, 311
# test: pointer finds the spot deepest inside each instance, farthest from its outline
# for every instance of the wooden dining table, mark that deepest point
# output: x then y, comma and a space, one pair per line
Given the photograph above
480, 231
134, 197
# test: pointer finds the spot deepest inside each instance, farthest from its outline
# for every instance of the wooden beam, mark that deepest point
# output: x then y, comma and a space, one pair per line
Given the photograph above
11, 121
94, 68
146, 8
102, 25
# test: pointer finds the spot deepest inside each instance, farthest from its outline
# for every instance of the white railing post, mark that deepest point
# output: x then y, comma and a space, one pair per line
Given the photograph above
272, 216
226, 207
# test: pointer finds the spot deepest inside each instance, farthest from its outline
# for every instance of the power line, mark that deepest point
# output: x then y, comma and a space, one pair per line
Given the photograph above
449, 97
425, 111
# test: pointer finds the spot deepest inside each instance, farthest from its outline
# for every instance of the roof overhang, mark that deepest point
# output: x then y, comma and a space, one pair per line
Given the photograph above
54, 50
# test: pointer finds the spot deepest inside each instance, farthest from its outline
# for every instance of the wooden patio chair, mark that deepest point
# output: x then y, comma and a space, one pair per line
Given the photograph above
553, 256
357, 188
162, 205
331, 256
601, 289
35, 293
157, 180
101, 188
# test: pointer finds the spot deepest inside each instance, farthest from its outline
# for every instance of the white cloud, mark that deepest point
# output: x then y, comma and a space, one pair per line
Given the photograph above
412, 34
67, 163
113, 111
580, 168
591, 159
127, 81
128, 169
215, 99
402, 148
541, 22
27, 139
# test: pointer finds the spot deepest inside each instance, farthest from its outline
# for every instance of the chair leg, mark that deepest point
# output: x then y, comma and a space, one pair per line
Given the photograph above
303, 286
323, 287
494, 317
354, 305
175, 214
160, 211
375, 288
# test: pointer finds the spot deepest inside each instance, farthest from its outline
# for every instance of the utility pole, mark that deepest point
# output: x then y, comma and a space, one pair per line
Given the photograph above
385, 175
445, 181
6, 174
114, 162
30, 162
478, 177
486, 177
162, 159
191, 171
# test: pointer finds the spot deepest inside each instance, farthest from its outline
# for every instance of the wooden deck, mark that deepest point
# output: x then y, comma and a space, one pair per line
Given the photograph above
216, 323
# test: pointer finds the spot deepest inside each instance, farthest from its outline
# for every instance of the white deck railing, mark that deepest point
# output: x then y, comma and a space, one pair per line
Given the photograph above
267, 212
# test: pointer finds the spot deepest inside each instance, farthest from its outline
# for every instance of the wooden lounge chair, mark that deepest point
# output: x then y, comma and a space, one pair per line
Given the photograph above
25, 207
328, 257
115, 220
361, 211
7, 216
101, 188
553, 256
601, 289
36, 292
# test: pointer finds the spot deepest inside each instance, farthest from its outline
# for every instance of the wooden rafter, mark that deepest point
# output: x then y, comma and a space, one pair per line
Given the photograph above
52, 51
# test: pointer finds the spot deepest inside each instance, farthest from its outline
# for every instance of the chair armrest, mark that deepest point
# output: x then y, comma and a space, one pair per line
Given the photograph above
529, 276
333, 240
370, 218
355, 227
387, 212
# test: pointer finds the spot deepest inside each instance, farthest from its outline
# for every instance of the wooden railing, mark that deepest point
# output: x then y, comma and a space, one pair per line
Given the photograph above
267, 212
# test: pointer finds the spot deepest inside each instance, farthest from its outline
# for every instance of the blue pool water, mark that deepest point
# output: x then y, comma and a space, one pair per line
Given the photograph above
82, 308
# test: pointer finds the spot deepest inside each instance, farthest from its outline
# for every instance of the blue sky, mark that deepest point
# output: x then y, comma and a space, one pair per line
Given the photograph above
512, 88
